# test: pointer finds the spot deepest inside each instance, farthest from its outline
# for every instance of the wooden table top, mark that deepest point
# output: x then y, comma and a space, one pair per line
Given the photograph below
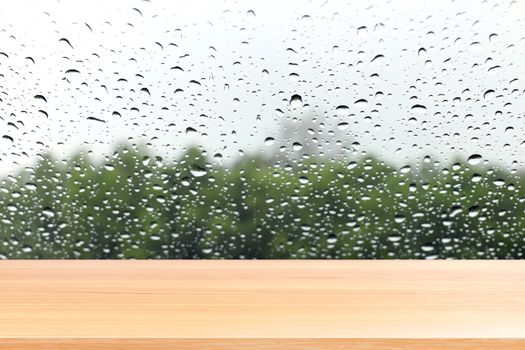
262, 304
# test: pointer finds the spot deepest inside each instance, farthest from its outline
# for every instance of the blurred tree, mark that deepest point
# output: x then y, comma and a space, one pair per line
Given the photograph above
136, 205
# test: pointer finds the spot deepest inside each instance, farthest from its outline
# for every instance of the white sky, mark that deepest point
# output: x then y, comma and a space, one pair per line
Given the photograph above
470, 47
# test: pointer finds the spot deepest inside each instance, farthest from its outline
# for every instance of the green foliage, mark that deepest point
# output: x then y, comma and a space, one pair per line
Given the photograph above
137, 206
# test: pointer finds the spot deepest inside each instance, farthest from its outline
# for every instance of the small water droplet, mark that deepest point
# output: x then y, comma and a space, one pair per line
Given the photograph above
198, 171
474, 159
296, 101
269, 141
418, 108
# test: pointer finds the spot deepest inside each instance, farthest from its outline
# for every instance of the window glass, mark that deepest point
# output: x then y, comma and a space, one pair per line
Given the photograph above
262, 129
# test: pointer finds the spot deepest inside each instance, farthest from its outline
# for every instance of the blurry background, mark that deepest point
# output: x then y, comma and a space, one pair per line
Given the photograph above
292, 129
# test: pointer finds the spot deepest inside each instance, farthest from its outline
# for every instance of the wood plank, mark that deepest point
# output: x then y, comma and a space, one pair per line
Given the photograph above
262, 344
268, 304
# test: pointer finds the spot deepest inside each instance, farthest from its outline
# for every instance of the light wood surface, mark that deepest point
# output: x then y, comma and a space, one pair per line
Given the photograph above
262, 304
263, 344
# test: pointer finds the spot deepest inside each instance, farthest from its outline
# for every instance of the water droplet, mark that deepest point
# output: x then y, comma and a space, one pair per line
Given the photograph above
331, 239
474, 159
499, 182
191, 131
361, 102
343, 126
66, 41
418, 108
473, 211
489, 94
198, 171
406, 169
48, 212
269, 141
297, 146
296, 101
342, 110
394, 237
40, 97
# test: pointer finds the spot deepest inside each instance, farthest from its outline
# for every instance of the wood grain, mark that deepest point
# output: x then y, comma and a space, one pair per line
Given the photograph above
263, 344
262, 304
